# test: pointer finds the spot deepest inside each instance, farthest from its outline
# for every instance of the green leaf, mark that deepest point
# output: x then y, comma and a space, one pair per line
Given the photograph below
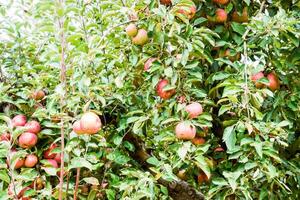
78, 162
229, 137
153, 161
4, 176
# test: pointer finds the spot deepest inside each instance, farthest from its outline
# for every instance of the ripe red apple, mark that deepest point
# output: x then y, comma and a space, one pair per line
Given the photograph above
160, 89
131, 30
219, 149
255, 78
198, 141
240, 18
188, 11
20, 161
221, 2
141, 37
77, 128
90, 123
33, 127
166, 2
148, 63
5, 137
221, 16
274, 83
27, 140
19, 120
47, 154
31, 160
194, 109
38, 95
53, 163
185, 130
58, 158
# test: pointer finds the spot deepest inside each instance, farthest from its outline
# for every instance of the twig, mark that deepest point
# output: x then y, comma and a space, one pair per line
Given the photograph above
76, 183
62, 97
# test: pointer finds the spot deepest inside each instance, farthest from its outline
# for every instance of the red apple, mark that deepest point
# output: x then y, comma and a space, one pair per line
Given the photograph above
274, 83
31, 160
47, 154
77, 128
33, 127
160, 89
188, 11
194, 110
58, 158
166, 2
255, 78
198, 141
20, 161
141, 37
53, 163
221, 2
221, 16
27, 140
90, 123
148, 63
131, 30
202, 178
185, 130
5, 137
219, 149
19, 120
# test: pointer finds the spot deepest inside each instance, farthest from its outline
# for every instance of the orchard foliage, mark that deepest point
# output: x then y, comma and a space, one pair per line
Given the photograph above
226, 71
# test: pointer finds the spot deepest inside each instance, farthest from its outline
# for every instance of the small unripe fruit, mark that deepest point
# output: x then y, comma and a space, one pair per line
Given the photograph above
31, 160
160, 90
141, 38
131, 30
274, 83
90, 123
33, 127
148, 63
194, 110
77, 128
19, 120
182, 174
38, 95
221, 16
185, 130
27, 140
221, 2
189, 12
47, 154
255, 78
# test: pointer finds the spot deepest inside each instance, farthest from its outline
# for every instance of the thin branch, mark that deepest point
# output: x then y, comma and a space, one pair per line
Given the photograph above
76, 183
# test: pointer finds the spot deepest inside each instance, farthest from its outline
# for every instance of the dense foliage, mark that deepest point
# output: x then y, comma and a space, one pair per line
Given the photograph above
238, 58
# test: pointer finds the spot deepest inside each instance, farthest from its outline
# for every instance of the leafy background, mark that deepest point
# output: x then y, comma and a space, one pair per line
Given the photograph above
259, 129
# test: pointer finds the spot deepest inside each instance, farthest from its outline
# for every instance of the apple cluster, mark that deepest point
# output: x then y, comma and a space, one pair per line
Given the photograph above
138, 36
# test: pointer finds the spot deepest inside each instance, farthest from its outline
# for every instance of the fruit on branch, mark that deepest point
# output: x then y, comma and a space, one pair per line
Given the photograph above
198, 141
194, 109
27, 140
164, 94
5, 137
38, 184
77, 128
90, 123
148, 63
274, 83
166, 2
221, 2
38, 95
58, 158
182, 174
19, 120
219, 149
141, 37
31, 160
185, 130
52, 163
240, 18
227, 53
187, 9
255, 78
20, 161
131, 30
221, 16
48, 153
202, 178
33, 127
